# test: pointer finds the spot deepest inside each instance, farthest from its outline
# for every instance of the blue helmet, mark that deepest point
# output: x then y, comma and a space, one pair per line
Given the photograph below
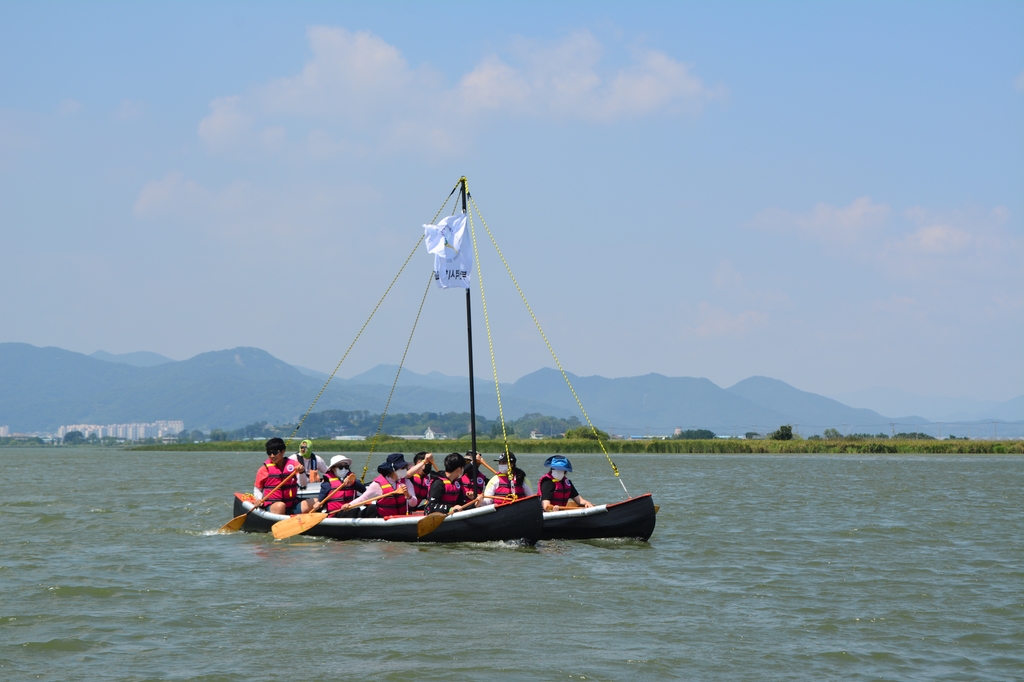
558, 462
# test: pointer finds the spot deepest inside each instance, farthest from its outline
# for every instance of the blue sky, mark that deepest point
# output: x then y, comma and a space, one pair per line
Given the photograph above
826, 193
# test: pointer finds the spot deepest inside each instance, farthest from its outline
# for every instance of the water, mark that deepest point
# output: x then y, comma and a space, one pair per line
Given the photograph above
761, 567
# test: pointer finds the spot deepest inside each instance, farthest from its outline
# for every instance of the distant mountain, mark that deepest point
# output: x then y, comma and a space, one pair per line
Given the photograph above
312, 372
810, 412
932, 407
140, 358
44, 388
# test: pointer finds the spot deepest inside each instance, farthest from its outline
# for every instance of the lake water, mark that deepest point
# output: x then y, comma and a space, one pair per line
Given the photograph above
761, 567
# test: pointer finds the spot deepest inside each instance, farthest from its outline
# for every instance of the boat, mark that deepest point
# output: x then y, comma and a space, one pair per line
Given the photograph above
633, 518
520, 521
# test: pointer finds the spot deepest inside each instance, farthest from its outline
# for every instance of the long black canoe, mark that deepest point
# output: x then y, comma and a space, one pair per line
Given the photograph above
520, 521
633, 518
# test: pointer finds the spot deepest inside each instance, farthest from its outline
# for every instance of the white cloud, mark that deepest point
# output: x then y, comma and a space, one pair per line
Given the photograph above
715, 321
69, 106
1018, 82
129, 110
172, 194
836, 225
937, 239
356, 84
226, 125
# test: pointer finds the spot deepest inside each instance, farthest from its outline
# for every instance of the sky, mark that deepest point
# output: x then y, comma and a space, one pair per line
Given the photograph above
830, 194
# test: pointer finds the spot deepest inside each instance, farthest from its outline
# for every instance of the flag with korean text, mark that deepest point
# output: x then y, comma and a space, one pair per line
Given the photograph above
449, 242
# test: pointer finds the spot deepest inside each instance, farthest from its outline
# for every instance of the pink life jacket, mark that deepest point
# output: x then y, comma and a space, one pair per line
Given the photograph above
392, 505
289, 491
563, 489
503, 488
339, 499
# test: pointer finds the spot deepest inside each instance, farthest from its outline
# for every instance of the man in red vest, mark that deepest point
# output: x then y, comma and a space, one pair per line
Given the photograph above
275, 481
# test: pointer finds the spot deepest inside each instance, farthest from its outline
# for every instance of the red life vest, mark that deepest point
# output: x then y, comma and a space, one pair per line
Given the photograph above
392, 505
452, 492
467, 483
503, 488
289, 491
562, 492
340, 498
421, 486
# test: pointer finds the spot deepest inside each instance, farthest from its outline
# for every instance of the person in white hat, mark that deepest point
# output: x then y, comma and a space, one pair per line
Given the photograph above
339, 487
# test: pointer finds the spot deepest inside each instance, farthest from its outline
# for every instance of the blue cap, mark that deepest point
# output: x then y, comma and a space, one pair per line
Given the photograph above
558, 462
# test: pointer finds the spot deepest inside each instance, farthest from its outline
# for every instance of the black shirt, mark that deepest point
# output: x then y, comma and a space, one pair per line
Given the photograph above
436, 494
547, 490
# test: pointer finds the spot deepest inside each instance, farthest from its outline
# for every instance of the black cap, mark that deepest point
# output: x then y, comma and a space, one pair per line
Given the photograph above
394, 462
510, 459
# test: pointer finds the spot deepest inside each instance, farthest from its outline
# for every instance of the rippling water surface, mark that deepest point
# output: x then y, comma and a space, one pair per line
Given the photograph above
761, 567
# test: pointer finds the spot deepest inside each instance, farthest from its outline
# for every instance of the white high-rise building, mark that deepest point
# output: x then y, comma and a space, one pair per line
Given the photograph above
133, 431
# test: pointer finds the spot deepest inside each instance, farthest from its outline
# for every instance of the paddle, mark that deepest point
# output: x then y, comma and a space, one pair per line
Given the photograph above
429, 523
300, 523
236, 523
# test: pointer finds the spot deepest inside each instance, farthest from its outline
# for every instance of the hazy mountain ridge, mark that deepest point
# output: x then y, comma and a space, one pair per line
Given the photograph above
47, 387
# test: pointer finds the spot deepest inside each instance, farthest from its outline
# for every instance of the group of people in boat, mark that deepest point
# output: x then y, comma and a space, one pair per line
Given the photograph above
401, 489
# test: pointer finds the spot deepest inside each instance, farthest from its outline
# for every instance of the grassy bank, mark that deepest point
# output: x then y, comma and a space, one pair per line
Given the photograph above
974, 447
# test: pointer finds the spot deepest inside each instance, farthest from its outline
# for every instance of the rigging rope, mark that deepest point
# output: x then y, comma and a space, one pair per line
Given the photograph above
548, 343
487, 324
380, 426
372, 313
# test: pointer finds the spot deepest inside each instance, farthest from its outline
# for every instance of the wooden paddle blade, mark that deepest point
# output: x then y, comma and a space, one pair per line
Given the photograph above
234, 525
657, 508
429, 523
294, 525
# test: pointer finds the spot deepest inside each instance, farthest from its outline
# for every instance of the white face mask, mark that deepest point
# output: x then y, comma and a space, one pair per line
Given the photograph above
342, 472
557, 474
502, 468
400, 473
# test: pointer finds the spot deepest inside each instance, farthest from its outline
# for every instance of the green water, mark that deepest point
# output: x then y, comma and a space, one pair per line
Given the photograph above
761, 567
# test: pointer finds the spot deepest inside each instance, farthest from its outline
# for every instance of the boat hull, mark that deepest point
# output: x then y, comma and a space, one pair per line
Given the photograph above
633, 518
520, 521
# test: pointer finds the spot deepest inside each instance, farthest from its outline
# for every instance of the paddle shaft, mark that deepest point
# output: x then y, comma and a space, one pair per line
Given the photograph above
331, 494
372, 499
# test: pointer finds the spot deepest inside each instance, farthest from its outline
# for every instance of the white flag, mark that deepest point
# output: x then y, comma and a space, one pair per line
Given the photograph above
453, 258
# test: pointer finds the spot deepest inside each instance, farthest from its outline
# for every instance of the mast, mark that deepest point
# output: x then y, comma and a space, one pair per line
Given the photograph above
472, 385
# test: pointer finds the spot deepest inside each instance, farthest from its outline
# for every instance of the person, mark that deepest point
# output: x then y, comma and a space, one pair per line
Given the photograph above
315, 466
555, 489
273, 472
392, 478
472, 480
339, 475
421, 480
446, 492
500, 486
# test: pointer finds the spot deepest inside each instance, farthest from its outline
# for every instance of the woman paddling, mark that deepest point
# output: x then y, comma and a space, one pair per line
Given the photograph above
555, 489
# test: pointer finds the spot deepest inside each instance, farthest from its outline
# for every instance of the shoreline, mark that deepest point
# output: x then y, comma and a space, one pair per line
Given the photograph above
559, 446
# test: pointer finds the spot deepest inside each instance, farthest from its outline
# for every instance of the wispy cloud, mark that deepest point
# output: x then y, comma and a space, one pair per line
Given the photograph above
356, 86
1018, 82
715, 321
129, 110
68, 107
835, 225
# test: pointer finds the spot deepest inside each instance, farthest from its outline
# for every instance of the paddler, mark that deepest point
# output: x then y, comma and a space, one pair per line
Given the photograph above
555, 489
339, 475
315, 466
446, 492
392, 479
421, 480
502, 485
472, 480
274, 472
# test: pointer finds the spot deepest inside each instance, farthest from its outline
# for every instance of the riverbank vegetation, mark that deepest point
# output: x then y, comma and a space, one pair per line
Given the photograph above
669, 446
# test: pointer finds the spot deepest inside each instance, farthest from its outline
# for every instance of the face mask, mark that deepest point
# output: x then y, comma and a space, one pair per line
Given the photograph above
558, 474
342, 472
401, 473
502, 468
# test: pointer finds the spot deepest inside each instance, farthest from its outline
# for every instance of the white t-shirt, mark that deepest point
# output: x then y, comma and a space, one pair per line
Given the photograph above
493, 483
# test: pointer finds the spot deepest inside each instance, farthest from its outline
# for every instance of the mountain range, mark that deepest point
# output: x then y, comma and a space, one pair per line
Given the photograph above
44, 388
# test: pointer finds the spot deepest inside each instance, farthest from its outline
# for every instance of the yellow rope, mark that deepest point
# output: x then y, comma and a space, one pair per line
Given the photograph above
487, 324
363, 328
395, 382
548, 343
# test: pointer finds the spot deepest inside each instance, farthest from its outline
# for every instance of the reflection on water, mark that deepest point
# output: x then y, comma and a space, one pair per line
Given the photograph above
799, 567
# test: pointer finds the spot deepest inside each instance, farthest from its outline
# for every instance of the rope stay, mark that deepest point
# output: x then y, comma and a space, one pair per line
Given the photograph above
394, 384
487, 324
363, 328
615, 469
